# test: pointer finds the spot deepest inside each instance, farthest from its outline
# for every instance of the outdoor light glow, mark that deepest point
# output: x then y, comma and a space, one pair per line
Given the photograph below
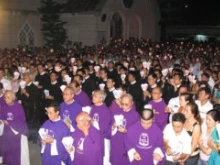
201, 37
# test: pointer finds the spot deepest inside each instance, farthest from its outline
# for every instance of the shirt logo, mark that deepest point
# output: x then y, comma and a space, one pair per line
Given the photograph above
123, 123
80, 145
144, 141
10, 116
66, 114
96, 117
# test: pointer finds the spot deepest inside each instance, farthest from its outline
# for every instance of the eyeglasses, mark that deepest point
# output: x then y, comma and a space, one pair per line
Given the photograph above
124, 104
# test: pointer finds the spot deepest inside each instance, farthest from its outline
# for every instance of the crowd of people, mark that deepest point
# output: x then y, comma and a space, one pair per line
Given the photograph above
124, 102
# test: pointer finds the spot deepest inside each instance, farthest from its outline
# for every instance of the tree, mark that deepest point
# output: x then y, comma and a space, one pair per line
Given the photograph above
53, 29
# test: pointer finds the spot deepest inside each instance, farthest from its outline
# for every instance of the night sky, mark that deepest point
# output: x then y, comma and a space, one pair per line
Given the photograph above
201, 12
191, 12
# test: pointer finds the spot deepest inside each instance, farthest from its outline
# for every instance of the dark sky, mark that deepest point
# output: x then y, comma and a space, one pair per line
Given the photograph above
201, 12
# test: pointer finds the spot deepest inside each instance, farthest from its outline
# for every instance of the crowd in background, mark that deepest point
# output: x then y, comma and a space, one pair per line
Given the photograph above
140, 102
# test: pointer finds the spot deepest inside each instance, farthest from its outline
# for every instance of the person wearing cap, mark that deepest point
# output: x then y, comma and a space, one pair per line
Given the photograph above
144, 140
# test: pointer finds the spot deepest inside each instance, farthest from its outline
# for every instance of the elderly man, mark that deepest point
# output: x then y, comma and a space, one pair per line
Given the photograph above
15, 132
101, 116
88, 142
124, 118
144, 141
69, 109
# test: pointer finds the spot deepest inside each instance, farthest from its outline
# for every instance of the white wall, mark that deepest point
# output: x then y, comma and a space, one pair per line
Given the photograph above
12, 23
87, 28
145, 12
81, 28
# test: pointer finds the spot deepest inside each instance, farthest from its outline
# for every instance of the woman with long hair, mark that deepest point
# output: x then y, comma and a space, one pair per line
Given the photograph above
193, 127
212, 118
213, 141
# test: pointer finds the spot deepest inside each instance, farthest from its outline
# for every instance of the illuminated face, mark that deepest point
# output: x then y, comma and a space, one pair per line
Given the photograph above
187, 112
177, 126
210, 122
103, 74
96, 99
27, 79
177, 80
67, 95
8, 97
52, 115
53, 77
110, 84
183, 102
146, 124
156, 94
151, 81
40, 68
126, 104
202, 96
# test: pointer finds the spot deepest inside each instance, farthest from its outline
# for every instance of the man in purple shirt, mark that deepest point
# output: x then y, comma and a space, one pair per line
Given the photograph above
144, 141
88, 142
15, 131
101, 116
69, 109
79, 95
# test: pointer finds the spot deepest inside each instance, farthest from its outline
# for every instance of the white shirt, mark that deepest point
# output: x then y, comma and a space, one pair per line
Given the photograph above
6, 84
203, 109
174, 105
211, 82
179, 144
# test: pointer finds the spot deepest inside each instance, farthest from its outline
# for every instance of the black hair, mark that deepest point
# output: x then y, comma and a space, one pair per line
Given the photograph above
215, 114
54, 105
80, 76
153, 75
187, 96
206, 75
1, 86
179, 117
206, 90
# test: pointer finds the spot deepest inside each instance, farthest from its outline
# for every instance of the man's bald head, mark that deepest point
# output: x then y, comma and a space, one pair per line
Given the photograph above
83, 116
83, 121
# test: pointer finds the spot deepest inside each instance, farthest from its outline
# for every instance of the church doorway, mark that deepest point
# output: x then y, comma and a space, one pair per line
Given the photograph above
116, 26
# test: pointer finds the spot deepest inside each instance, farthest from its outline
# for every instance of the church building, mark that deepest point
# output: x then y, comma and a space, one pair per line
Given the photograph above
88, 21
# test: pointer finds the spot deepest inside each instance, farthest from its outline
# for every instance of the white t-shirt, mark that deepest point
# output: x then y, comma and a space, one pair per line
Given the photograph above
174, 105
179, 144
6, 84
203, 109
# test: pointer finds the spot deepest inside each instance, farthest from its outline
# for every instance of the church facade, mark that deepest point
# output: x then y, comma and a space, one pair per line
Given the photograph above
86, 22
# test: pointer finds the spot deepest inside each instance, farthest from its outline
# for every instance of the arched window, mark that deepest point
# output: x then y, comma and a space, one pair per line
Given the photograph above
116, 29
26, 36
